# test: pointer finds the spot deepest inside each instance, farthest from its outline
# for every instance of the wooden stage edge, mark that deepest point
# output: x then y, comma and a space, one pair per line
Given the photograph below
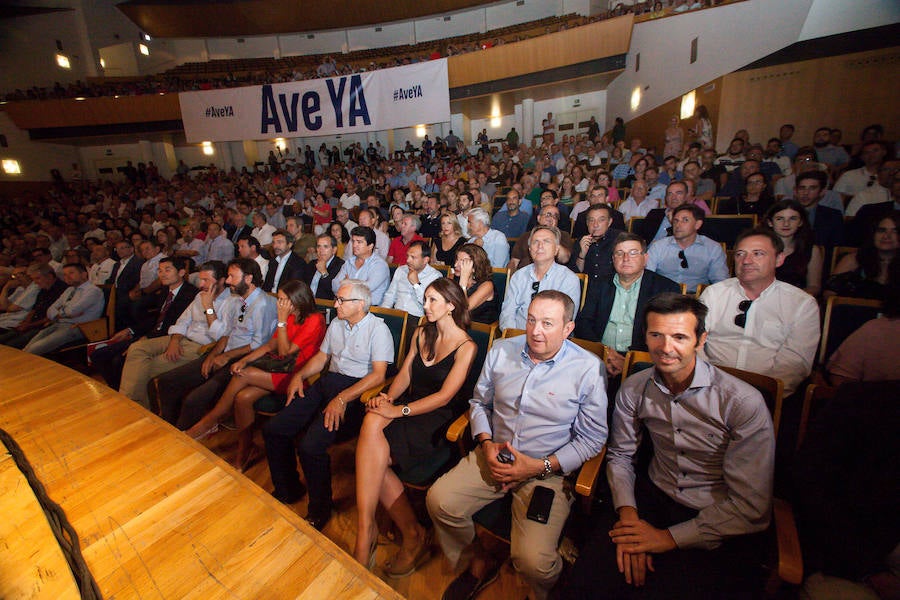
157, 514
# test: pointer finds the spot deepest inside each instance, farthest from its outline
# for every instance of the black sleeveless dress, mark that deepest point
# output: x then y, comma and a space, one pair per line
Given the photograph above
413, 439
487, 312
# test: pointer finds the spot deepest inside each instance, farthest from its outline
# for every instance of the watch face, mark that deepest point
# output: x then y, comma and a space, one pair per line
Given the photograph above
209, 311
405, 411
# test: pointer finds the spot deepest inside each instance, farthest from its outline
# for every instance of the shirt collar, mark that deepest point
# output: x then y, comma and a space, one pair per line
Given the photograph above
560, 354
636, 284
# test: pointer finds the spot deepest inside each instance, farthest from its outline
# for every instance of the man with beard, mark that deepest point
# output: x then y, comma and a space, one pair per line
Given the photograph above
187, 393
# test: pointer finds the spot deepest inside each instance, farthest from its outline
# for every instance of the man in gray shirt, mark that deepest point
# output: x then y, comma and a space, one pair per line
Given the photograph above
683, 529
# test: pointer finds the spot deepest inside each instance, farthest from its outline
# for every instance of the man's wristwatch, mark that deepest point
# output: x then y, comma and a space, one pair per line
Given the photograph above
548, 468
210, 311
405, 410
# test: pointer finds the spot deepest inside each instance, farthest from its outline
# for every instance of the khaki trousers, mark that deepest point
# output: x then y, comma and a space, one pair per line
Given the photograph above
468, 487
145, 360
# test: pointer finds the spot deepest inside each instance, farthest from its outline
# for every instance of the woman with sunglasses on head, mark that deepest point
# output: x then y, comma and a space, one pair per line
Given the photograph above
300, 330
402, 425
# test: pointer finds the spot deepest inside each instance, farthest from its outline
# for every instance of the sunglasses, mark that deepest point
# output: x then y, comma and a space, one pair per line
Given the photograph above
684, 262
243, 310
741, 318
534, 288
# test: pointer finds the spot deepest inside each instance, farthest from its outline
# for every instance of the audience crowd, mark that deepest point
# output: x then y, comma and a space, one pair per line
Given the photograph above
216, 275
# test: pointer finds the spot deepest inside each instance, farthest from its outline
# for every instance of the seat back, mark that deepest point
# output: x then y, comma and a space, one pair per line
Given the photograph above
813, 399
483, 335
837, 254
512, 332
635, 361
326, 307
104, 326
500, 278
583, 282
591, 346
397, 322
726, 228
843, 316
772, 390
443, 269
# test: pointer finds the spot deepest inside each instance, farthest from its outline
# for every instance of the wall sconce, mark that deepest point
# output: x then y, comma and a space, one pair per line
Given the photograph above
208, 149
11, 167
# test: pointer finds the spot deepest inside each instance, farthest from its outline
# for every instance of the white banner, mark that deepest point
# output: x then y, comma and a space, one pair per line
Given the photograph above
416, 94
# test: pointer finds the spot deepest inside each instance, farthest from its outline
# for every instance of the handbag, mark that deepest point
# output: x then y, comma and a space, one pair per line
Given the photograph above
275, 363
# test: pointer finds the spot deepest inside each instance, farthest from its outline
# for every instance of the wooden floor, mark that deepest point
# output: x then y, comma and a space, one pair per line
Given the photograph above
428, 583
159, 516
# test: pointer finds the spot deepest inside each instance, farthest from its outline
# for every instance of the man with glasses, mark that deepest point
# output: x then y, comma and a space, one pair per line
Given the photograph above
757, 323
613, 307
249, 316
357, 349
544, 273
595, 248
549, 216
686, 256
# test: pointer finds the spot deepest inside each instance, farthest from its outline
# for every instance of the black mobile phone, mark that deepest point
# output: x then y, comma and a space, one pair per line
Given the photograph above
541, 503
506, 457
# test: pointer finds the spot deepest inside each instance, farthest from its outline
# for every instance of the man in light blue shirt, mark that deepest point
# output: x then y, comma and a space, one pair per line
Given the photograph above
82, 302
512, 222
365, 265
360, 347
686, 256
538, 413
407, 289
544, 273
495, 244
218, 246
249, 316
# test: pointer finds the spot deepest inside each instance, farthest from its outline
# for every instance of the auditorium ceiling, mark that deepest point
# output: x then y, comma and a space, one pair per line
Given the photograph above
228, 18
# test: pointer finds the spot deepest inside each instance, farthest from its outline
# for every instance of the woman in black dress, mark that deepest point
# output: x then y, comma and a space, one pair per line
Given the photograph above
448, 242
401, 426
803, 261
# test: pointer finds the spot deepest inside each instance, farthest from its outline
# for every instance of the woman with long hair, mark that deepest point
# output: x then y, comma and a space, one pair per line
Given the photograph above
802, 266
702, 129
300, 330
400, 429
864, 274
449, 240
674, 135
612, 194
339, 233
473, 271
755, 200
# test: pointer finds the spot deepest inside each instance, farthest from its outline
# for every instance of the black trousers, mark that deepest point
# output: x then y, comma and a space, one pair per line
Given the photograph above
730, 571
281, 432
185, 395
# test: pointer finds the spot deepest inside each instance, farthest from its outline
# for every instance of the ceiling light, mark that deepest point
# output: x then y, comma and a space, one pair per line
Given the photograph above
11, 166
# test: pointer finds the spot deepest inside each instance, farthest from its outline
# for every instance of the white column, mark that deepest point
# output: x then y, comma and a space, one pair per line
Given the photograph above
146, 149
527, 121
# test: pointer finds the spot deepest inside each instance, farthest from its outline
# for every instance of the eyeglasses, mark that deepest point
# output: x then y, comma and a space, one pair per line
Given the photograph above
630, 253
338, 300
741, 318
534, 288
684, 262
871, 181
243, 310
